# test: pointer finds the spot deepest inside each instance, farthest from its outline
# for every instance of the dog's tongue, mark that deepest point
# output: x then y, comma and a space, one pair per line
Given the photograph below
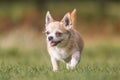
53, 43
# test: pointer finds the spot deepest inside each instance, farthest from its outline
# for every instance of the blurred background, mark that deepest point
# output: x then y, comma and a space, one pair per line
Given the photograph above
95, 18
22, 22
22, 41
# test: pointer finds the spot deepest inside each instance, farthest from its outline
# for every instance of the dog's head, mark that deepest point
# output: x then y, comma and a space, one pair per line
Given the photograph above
58, 32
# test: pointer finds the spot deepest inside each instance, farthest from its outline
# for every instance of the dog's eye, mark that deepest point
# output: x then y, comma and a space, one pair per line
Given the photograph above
47, 32
58, 34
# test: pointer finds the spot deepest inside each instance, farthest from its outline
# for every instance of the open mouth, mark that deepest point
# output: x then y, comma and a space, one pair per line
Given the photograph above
54, 43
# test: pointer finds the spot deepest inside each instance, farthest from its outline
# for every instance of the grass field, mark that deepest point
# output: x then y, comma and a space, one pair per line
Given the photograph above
100, 61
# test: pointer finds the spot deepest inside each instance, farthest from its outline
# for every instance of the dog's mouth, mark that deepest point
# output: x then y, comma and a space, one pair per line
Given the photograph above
54, 43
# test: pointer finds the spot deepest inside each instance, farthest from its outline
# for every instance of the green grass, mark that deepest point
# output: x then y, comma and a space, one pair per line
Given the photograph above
99, 62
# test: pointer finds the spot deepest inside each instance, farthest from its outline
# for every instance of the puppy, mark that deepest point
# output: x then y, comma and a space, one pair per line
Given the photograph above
64, 43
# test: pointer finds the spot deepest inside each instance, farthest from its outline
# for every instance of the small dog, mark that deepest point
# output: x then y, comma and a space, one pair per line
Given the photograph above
64, 43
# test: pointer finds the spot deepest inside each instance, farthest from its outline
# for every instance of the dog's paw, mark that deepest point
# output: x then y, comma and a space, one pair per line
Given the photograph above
70, 67
55, 70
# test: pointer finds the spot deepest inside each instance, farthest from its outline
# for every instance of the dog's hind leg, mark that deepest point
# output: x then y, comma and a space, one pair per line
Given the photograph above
75, 59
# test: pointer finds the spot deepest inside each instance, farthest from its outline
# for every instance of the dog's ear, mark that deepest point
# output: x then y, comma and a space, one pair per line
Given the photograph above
73, 17
67, 21
49, 18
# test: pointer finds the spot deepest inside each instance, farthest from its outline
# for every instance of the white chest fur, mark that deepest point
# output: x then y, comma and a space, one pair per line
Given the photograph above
59, 53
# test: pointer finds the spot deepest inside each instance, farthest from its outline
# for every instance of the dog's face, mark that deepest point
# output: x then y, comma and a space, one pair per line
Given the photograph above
58, 32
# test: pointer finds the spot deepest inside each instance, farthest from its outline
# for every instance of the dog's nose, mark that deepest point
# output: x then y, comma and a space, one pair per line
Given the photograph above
50, 38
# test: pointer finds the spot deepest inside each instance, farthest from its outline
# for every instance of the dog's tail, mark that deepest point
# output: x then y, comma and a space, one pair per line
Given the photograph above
73, 18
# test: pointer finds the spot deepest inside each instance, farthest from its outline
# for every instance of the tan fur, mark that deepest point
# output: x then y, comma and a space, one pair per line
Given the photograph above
70, 48
73, 17
75, 41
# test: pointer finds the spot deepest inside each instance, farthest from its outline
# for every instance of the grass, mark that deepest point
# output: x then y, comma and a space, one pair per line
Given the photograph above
99, 62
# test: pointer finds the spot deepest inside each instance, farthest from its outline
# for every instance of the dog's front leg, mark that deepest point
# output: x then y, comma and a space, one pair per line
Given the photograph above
74, 60
54, 64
